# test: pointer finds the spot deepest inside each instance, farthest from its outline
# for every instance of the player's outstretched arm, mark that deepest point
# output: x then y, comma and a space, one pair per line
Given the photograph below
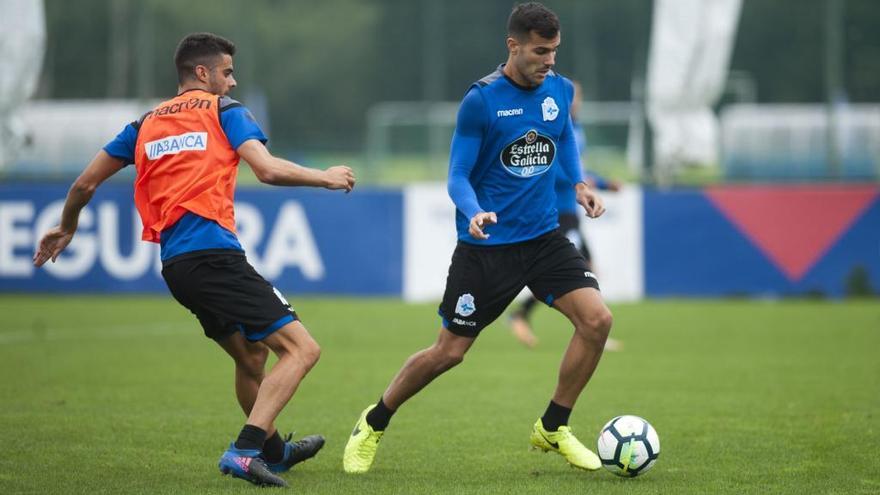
57, 238
589, 199
278, 172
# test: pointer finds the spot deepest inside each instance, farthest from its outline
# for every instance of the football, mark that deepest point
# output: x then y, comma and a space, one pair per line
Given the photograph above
628, 446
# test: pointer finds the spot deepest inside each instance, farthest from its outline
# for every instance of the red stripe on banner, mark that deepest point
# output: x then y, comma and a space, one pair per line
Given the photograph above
793, 226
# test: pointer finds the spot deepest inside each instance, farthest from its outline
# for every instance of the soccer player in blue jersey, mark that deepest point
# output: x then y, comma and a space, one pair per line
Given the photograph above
569, 225
186, 152
513, 132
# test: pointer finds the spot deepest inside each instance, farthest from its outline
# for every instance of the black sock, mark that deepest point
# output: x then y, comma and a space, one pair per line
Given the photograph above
273, 448
250, 438
379, 417
555, 416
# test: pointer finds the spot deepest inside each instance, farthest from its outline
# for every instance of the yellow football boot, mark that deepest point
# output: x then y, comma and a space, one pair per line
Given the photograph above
565, 444
361, 447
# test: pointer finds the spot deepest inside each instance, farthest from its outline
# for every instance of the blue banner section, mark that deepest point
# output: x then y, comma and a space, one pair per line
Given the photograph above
302, 240
855, 255
705, 243
693, 249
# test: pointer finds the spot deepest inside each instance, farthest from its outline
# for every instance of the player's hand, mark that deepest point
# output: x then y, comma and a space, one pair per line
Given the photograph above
590, 200
481, 221
340, 177
51, 245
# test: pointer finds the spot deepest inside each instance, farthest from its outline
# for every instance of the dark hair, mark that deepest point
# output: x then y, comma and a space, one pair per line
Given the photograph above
532, 16
198, 49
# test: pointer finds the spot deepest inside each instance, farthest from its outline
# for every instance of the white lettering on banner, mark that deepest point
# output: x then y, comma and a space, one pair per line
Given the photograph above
138, 262
172, 145
12, 238
79, 256
292, 244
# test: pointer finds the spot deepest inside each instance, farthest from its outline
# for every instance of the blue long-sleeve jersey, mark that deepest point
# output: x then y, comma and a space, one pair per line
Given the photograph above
508, 143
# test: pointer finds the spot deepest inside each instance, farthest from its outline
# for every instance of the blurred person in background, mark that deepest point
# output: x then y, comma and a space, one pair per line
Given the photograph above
569, 224
513, 126
186, 152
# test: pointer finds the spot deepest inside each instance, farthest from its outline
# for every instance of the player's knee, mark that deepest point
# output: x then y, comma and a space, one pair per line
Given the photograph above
311, 353
453, 358
305, 350
301, 347
604, 321
597, 326
448, 358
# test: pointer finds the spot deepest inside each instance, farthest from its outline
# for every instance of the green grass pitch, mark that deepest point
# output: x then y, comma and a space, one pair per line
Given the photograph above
124, 395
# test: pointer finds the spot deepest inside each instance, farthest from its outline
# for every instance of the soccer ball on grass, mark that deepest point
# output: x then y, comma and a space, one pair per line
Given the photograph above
628, 446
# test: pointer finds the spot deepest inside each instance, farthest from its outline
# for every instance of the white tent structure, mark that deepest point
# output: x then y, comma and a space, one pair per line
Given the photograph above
22, 45
688, 60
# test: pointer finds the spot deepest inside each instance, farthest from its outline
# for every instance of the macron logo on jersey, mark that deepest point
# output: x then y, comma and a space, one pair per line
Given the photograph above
172, 145
510, 113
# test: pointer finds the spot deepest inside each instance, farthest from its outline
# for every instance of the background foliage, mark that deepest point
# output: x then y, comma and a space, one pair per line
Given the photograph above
321, 65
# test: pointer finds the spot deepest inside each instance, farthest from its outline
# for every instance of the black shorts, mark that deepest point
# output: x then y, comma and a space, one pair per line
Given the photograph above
570, 226
227, 295
483, 280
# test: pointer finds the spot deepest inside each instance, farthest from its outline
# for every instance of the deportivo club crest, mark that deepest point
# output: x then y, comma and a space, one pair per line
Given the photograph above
465, 305
529, 155
549, 109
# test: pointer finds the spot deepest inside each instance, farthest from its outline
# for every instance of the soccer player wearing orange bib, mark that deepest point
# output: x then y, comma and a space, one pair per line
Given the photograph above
186, 152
